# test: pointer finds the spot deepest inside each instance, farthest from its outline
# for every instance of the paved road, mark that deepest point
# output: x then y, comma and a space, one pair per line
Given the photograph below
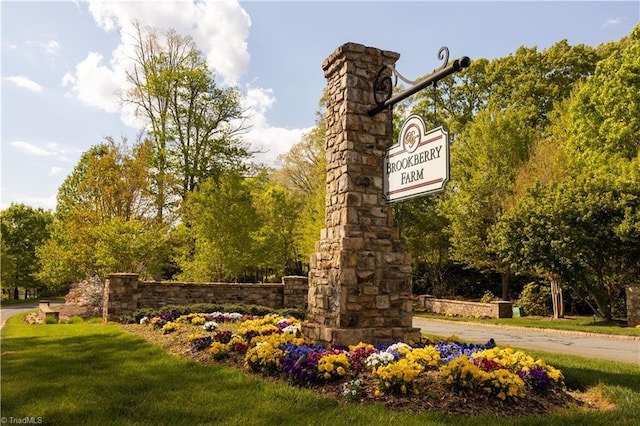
616, 348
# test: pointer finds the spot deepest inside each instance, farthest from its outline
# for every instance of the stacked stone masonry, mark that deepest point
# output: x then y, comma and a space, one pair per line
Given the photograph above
360, 275
633, 305
125, 293
500, 309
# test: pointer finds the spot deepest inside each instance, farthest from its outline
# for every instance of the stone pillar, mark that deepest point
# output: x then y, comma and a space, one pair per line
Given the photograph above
633, 305
296, 290
360, 275
120, 296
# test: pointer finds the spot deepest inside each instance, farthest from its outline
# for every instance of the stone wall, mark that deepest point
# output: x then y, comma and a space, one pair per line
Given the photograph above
125, 293
633, 305
500, 309
360, 275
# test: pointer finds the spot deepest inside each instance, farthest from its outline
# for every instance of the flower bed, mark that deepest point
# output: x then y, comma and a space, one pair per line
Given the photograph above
418, 375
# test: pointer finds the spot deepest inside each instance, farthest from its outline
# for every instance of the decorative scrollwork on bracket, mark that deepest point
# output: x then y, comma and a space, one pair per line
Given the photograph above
383, 84
443, 55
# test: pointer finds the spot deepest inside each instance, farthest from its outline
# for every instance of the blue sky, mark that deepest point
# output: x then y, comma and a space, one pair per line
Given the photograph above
61, 62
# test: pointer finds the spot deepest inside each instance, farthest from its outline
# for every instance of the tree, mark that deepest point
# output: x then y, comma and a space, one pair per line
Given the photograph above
606, 110
24, 229
581, 230
219, 243
484, 162
104, 221
194, 124
303, 173
422, 226
277, 237
495, 111
576, 216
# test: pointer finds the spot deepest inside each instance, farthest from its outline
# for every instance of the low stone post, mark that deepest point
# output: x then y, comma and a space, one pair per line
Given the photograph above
633, 305
120, 296
296, 289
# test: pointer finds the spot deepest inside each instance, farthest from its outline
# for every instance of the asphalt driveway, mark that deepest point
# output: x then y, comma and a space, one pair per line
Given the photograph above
590, 345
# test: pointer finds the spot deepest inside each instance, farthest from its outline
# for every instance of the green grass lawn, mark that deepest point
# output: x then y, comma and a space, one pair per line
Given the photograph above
96, 374
584, 324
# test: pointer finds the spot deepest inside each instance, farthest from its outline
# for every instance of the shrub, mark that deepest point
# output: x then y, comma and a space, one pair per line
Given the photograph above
535, 299
488, 297
87, 293
50, 320
74, 320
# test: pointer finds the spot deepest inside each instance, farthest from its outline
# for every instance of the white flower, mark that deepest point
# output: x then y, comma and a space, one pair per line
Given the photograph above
379, 358
144, 320
396, 347
293, 329
210, 325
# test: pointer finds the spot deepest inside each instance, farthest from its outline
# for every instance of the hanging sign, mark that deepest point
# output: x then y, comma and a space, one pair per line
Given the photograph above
418, 164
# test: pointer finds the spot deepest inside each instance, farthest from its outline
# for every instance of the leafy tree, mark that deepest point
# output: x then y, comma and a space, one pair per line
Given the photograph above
484, 163
219, 243
606, 111
422, 226
495, 111
194, 124
24, 229
576, 218
302, 173
582, 230
104, 220
276, 239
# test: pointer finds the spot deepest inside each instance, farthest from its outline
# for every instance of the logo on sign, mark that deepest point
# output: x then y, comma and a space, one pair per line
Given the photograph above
418, 164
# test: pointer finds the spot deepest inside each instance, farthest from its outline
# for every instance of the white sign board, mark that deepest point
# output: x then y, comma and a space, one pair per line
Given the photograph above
418, 164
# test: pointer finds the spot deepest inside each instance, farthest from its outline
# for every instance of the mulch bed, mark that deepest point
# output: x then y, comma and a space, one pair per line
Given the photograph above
437, 397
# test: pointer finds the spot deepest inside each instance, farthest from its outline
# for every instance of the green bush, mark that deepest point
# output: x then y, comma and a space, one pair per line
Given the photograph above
49, 319
75, 320
535, 299
488, 297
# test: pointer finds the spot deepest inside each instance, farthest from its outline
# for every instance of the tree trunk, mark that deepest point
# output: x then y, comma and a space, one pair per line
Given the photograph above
556, 299
505, 285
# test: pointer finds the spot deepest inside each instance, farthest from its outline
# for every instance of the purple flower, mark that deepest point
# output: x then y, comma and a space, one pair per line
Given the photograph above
300, 363
537, 379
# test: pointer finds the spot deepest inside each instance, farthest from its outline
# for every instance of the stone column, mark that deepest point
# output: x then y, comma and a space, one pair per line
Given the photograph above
360, 275
120, 296
633, 305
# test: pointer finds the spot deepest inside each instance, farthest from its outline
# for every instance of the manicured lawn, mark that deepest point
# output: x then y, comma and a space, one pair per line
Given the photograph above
584, 324
95, 374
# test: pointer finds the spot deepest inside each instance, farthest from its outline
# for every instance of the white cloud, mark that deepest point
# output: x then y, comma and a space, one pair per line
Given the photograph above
24, 82
55, 171
50, 149
268, 141
220, 29
94, 84
30, 149
51, 48
612, 21
9, 45
47, 203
